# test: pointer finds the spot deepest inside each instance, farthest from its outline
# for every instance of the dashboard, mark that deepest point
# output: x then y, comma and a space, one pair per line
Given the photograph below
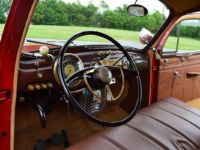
38, 74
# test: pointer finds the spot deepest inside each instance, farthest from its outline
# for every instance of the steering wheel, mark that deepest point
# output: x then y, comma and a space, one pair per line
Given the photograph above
101, 76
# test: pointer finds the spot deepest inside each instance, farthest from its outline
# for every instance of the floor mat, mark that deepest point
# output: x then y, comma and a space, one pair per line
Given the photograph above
194, 103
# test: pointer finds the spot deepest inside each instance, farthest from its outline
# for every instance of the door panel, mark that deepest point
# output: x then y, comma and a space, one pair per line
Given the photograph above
196, 86
179, 77
188, 84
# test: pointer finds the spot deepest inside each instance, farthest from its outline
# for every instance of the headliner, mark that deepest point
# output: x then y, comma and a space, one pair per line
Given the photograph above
183, 6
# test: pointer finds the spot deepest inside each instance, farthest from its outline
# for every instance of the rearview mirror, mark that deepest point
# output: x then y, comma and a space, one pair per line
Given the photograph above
137, 10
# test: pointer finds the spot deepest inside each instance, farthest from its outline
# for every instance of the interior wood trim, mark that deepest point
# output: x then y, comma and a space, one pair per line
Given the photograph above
150, 55
14, 98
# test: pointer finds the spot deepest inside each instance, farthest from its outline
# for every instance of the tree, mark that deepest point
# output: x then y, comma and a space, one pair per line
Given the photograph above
56, 12
5, 5
2, 16
4, 9
103, 6
90, 13
50, 12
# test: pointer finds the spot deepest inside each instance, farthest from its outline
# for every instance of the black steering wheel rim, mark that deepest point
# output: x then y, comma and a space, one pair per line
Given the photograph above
71, 98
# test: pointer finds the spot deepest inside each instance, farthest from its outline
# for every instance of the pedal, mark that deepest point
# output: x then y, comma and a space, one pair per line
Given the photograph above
41, 145
65, 138
56, 139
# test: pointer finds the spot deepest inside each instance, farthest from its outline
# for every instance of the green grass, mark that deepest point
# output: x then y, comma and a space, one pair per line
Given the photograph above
184, 43
64, 32
1, 28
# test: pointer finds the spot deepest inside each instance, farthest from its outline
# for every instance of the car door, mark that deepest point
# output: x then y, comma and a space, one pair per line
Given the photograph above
179, 67
12, 39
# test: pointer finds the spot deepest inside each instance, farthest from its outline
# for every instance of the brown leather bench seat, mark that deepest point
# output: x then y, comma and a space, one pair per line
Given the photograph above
169, 124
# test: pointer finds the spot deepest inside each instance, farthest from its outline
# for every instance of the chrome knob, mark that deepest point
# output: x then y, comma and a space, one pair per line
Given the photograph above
165, 60
176, 73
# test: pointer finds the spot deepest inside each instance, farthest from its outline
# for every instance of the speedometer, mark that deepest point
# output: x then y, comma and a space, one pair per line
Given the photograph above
69, 70
71, 64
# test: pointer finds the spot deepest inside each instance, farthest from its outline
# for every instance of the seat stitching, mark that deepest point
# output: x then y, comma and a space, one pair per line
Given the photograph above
147, 136
178, 116
143, 113
113, 142
182, 108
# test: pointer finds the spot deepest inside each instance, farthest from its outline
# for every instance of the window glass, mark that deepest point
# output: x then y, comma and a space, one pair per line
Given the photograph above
4, 10
60, 19
185, 37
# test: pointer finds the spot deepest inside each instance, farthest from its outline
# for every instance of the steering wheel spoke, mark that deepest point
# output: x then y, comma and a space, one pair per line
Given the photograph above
77, 75
107, 87
113, 81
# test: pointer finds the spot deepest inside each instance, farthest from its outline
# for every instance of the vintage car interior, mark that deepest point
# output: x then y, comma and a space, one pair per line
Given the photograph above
101, 88
108, 95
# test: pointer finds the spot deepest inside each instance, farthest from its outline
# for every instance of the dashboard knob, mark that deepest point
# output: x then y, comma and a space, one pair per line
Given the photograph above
44, 50
50, 85
22, 99
30, 87
44, 86
37, 87
39, 75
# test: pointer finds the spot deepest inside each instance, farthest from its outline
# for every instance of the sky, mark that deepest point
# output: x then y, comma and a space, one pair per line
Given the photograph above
151, 6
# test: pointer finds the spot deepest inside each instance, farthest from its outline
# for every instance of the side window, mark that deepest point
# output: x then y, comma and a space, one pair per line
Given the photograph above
185, 37
4, 11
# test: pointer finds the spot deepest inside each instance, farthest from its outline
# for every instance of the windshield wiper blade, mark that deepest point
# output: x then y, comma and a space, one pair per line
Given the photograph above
45, 42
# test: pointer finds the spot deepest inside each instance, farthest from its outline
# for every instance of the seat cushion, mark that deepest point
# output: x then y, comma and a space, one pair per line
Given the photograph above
168, 124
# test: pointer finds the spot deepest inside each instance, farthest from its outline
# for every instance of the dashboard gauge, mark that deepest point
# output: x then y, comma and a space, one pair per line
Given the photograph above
69, 70
126, 64
71, 64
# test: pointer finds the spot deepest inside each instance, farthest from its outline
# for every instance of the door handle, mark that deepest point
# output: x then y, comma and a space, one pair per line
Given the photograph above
192, 74
4, 95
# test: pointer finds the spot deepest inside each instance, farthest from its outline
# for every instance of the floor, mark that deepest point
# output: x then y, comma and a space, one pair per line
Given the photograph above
28, 129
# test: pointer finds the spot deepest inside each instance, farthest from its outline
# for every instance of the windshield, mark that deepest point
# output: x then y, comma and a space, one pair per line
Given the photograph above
4, 11
59, 20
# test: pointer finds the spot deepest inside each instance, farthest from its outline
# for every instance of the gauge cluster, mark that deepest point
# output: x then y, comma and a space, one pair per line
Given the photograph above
71, 64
